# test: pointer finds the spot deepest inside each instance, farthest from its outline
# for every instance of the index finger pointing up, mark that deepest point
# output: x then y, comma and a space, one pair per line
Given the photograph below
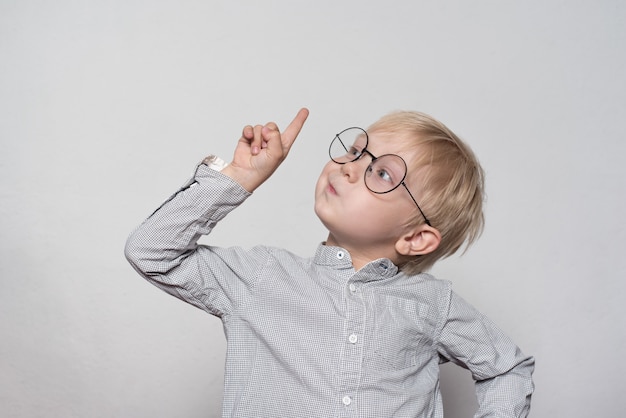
292, 131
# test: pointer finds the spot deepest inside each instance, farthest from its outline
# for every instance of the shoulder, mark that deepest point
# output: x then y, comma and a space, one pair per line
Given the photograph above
286, 259
425, 284
267, 257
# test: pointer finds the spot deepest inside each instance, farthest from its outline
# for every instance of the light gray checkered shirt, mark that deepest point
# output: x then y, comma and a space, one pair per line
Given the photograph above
312, 337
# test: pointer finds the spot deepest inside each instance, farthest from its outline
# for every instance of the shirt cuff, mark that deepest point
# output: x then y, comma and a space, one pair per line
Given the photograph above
214, 162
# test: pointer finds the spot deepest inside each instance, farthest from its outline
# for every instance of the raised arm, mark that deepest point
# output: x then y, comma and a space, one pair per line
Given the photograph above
164, 248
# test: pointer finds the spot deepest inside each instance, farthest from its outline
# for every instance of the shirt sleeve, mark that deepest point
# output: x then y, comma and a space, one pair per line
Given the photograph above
164, 249
503, 374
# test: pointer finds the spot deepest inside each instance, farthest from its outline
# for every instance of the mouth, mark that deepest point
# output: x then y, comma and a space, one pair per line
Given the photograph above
331, 189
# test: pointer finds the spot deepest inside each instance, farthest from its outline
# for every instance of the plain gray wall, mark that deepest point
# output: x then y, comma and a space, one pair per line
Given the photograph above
106, 106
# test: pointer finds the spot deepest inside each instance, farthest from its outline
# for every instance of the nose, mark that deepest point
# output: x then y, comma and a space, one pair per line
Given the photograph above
353, 170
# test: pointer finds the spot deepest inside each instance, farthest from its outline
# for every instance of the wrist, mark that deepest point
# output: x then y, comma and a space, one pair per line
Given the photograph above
241, 176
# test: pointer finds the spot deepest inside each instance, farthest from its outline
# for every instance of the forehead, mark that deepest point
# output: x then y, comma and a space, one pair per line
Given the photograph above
392, 143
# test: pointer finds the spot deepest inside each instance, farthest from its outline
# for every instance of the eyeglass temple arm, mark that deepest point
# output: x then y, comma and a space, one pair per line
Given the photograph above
418, 206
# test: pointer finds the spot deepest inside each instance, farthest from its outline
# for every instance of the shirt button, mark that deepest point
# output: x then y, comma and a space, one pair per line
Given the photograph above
340, 255
353, 338
352, 287
346, 400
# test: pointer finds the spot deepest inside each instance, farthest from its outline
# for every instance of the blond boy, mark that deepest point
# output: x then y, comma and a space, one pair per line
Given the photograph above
358, 329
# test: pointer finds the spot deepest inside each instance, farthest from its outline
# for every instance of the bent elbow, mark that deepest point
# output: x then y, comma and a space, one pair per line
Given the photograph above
135, 255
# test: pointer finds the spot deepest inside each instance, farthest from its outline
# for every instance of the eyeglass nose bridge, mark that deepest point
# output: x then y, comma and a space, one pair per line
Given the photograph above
348, 165
366, 151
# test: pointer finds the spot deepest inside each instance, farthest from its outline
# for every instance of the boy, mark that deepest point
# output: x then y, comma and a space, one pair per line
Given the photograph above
357, 330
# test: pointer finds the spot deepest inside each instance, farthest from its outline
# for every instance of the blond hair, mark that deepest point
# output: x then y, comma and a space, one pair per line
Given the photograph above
451, 180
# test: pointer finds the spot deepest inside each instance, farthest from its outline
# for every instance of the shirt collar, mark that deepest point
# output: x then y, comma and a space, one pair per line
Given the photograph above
339, 258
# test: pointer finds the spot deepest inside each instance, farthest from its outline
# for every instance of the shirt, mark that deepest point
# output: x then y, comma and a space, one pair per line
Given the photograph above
312, 337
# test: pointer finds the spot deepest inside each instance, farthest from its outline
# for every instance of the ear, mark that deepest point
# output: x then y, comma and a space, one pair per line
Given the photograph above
421, 240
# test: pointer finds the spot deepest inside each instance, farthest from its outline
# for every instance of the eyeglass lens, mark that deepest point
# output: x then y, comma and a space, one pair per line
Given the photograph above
348, 145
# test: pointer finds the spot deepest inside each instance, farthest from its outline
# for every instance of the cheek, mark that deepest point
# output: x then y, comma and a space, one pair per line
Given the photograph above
321, 183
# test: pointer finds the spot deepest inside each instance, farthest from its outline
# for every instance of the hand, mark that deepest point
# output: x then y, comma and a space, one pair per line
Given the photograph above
261, 149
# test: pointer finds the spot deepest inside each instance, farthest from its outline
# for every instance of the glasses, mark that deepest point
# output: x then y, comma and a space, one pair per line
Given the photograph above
383, 175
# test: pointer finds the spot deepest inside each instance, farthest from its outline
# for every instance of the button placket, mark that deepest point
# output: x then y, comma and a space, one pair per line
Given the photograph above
351, 360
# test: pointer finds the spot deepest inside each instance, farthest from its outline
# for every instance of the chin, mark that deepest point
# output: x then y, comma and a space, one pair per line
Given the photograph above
319, 212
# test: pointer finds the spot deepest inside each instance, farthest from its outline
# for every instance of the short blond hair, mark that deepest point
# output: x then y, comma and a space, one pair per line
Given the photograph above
452, 182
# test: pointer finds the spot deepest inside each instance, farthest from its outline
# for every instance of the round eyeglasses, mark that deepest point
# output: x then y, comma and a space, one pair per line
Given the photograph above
383, 175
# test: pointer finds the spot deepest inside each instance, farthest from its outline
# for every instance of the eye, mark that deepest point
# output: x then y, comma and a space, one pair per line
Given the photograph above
380, 174
355, 152
384, 175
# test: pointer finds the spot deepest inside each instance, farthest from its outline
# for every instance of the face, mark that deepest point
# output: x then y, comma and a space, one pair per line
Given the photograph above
355, 216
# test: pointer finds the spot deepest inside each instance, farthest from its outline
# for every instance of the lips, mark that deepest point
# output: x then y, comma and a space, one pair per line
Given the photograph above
331, 188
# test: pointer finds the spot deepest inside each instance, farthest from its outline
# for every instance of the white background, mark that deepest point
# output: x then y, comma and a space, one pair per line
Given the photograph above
106, 106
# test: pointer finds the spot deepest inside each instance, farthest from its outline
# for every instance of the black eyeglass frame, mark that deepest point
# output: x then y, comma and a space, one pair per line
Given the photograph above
374, 158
